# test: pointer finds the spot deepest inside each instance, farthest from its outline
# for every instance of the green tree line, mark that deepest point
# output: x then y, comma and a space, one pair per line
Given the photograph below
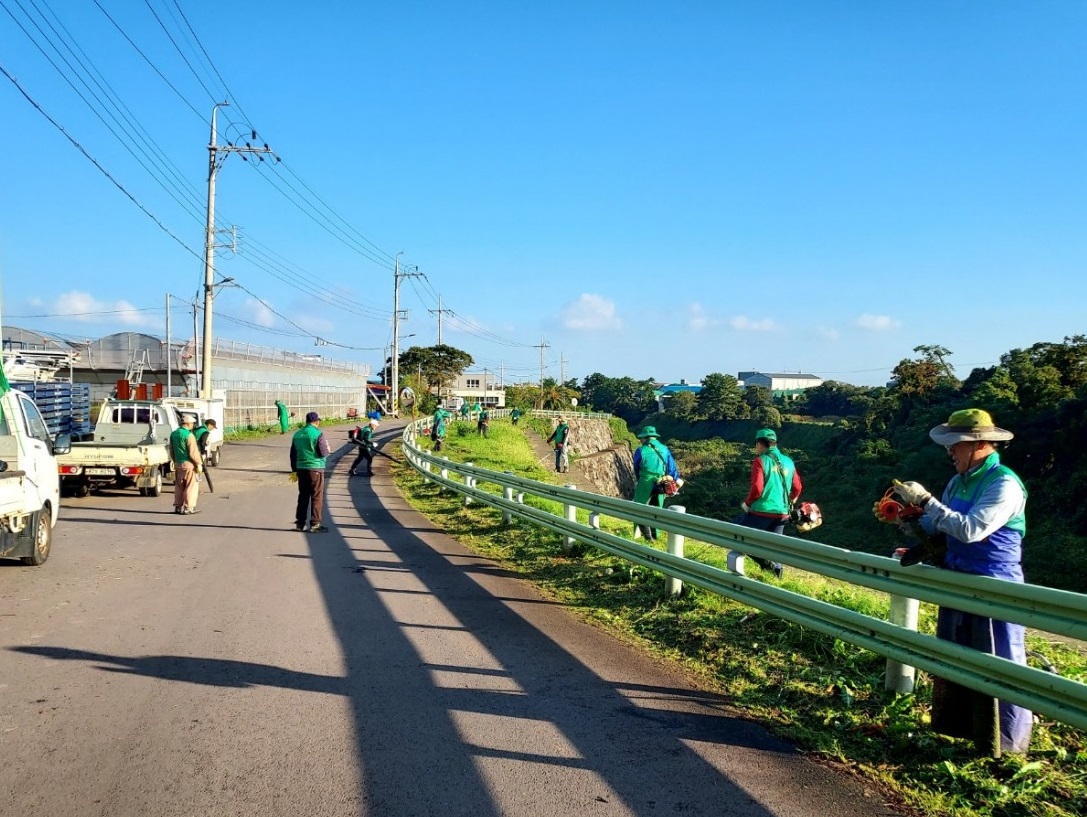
850, 442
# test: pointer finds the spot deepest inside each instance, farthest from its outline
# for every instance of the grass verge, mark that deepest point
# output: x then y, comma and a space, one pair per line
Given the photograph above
821, 693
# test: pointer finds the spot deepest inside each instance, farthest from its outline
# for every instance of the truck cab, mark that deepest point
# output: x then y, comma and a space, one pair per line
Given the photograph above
29, 482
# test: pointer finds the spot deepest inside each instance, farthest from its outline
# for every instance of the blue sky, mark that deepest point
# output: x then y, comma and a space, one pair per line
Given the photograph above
653, 189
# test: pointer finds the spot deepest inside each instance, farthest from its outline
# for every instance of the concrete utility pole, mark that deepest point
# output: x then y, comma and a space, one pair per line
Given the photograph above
439, 312
562, 368
216, 156
543, 344
397, 275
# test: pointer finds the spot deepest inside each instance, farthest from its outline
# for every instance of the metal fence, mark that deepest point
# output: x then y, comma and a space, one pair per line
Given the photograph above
1045, 609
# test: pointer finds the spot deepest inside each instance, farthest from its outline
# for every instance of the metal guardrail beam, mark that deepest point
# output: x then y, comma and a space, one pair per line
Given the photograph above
1046, 609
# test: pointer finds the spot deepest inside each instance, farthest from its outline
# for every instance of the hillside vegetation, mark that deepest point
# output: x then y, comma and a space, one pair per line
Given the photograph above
850, 442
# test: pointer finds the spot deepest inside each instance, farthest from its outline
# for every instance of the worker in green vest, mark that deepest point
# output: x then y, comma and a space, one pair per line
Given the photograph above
309, 452
188, 463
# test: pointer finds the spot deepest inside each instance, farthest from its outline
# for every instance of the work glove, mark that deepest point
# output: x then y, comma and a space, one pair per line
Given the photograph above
293, 477
744, 507
912, 493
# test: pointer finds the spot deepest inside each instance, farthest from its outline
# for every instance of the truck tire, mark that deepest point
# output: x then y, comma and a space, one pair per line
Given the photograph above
43, 538
216, 456
81, 490
156, 489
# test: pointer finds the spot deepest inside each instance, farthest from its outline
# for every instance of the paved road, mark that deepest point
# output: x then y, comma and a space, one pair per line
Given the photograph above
224, 664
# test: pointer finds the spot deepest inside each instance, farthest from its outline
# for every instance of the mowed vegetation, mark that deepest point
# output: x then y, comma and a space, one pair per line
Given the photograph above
825, 695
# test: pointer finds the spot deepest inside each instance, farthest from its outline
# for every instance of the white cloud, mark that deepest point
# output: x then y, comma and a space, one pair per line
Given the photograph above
85, 308
591, 313
878, 323
828, 332
316, 325
742, 323
698, 319
259, 313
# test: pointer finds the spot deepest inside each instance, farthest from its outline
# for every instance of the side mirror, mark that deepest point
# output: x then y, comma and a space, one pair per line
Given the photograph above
62, 444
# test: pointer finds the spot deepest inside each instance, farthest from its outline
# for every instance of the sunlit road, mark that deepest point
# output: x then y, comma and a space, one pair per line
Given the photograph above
224, 664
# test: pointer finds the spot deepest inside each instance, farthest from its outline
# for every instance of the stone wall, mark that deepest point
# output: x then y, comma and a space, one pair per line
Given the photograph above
607, 465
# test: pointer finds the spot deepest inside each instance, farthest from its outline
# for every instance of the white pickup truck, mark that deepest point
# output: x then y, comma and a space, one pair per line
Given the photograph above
130, 446
29, 484
214, 409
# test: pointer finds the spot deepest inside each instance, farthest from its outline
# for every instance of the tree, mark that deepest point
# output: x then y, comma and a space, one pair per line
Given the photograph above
721, 399
767, 416
683, 405
758, 396
439, 365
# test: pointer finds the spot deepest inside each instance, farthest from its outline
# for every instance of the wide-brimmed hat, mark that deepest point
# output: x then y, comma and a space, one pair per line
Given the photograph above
766, 434
969, 425
648, 431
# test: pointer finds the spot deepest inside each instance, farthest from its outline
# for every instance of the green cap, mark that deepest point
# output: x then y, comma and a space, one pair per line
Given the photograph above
766, 434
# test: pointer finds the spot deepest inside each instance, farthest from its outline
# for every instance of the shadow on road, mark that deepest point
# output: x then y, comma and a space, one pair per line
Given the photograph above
437, 731
208, 671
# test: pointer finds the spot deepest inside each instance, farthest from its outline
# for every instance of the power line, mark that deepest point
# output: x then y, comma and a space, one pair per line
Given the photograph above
96, 163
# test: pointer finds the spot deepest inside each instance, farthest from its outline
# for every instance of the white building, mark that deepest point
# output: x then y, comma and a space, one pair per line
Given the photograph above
780, 382
478, 387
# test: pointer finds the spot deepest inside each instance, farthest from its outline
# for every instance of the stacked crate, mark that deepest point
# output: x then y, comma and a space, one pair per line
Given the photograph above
65, 406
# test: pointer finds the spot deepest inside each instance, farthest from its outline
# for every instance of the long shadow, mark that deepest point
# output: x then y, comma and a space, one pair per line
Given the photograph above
207, 671
415, 755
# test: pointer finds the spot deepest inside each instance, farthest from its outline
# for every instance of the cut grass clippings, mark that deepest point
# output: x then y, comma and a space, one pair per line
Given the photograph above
821, 693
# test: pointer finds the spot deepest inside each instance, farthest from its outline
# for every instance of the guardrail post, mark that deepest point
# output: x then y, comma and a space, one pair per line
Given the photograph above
900, 677
735, 561
445, 471
672, 585
469, 482
571, 516
594, 520
426, 467
507, 494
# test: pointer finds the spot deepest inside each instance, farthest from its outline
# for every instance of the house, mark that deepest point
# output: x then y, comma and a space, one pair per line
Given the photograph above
780, 384
479, 387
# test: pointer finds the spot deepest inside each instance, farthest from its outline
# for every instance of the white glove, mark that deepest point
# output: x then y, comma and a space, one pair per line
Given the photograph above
744, 506
912, 493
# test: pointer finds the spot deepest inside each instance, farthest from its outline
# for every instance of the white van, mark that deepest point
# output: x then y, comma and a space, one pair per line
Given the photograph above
29, 482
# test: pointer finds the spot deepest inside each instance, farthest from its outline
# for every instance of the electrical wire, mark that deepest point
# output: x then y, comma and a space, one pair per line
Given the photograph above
181, 53
96, 163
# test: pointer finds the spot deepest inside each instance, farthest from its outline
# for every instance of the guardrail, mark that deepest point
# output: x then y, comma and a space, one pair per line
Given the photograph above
1042, 608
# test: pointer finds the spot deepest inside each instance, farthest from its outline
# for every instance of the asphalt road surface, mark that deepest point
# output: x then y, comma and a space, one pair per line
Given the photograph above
225, 664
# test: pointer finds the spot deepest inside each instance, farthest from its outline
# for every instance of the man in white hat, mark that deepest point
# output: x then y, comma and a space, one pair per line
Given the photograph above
982, 515
364, 439
185, 453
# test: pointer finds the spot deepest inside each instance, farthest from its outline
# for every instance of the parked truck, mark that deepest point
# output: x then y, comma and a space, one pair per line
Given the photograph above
29, 483
203, 409
130, 446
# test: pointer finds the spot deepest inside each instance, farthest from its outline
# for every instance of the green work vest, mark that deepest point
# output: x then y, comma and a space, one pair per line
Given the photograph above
778, 473
200, 432
305, 449
179, 445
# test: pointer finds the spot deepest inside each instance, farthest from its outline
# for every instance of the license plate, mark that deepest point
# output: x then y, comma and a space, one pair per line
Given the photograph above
99, 472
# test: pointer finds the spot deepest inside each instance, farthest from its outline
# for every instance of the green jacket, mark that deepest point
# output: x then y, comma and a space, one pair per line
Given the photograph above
306, 453
179, 445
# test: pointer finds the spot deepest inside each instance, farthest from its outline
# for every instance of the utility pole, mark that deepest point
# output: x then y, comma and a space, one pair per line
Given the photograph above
439, 312
397, 275
543, 344
216, 156
169, 351
562, 368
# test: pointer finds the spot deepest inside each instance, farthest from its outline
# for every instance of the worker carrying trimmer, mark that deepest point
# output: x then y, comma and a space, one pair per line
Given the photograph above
981, 518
